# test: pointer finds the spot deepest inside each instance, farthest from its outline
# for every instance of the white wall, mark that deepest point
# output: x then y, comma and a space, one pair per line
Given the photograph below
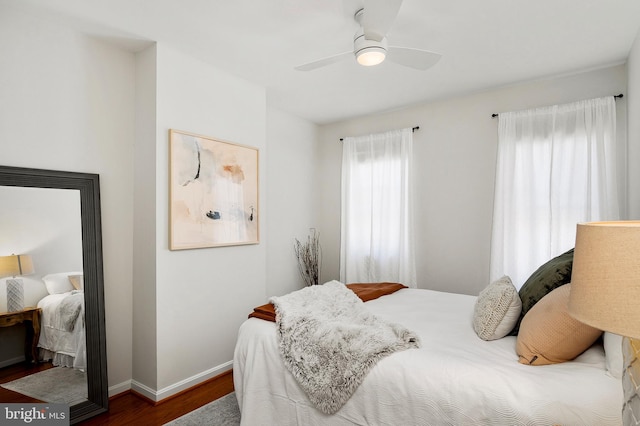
145, 348
66, 103
44, 223
454, 159
203, 295
633, 99
189, 304
293, 201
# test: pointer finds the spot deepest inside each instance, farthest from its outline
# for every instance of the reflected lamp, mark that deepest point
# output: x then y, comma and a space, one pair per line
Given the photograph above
12, 266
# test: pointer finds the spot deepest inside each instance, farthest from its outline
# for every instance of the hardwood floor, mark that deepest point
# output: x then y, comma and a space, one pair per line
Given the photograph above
132, 409
129, 408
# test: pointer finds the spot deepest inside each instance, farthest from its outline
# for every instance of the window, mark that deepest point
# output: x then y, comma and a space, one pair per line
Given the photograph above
376, 238
556, 167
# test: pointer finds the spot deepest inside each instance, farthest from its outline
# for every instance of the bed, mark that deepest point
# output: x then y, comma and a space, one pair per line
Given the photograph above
62, 330
453, 378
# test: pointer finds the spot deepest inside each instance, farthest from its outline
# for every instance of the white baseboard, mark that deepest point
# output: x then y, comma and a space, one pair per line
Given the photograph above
8, 362
171, 390
119, 388
144, 390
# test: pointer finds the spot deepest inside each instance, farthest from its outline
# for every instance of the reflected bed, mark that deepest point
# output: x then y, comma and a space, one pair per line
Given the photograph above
62, 326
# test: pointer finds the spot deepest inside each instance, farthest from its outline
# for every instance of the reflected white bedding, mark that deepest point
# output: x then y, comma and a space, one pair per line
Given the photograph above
455, 378
63, 345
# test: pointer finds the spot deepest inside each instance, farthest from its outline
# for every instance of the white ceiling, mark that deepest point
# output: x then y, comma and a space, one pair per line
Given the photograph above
484, 44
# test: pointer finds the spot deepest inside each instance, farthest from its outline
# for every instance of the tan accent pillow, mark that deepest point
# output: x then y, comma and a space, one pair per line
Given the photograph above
77, 281
496, 310
549, 335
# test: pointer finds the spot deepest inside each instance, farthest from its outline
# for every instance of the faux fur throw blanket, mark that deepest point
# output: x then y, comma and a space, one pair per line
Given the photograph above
329, 341
69, 309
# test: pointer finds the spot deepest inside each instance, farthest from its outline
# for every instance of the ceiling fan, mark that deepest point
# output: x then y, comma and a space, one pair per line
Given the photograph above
370, 45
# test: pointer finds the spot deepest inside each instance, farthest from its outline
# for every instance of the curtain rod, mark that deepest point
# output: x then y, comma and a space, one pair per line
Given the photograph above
615, 97
412, 129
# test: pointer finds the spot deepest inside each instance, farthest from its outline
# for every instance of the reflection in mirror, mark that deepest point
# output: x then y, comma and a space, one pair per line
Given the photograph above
52, 319
45, 225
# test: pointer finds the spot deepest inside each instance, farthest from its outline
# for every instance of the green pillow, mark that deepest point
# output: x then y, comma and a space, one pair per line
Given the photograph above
545, 279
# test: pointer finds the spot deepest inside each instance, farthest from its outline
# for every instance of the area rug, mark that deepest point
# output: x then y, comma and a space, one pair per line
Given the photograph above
60, 384
221, 412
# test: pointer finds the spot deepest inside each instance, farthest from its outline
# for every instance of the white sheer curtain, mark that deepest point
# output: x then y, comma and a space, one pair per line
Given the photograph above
556, 167
376, 236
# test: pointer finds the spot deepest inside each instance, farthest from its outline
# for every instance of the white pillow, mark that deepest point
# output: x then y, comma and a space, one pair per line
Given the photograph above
59, 282
497, 310
613, 354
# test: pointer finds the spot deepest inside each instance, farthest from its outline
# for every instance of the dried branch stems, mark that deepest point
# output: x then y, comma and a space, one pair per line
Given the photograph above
309, 255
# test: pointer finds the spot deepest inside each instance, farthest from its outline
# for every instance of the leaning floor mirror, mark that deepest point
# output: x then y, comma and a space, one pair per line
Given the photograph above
52, 326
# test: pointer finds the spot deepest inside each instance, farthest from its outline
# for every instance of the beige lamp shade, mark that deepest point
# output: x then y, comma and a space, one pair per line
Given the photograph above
605, 280
13, 265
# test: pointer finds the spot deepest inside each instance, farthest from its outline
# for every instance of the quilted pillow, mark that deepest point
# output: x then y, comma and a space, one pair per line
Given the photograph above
496, 310
549, 335
546, 278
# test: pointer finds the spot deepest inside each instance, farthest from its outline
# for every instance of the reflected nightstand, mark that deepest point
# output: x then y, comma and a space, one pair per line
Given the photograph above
31, 318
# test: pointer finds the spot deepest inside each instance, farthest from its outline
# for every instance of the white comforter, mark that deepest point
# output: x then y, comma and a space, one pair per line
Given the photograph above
454, 379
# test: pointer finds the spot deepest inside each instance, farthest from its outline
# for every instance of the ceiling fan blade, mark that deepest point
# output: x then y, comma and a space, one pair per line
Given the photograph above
323, 62
413, 58
378, 17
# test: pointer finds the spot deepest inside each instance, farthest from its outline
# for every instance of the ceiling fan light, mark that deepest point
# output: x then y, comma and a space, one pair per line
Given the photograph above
371, 56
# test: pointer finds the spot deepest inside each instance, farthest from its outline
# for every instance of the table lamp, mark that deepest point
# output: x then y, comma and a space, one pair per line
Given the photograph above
11, 266
605, 294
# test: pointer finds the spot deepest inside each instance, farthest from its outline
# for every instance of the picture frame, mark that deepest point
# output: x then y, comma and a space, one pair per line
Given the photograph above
213, 192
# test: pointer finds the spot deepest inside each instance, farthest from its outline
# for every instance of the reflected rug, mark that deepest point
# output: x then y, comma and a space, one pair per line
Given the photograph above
60, 384
221, 412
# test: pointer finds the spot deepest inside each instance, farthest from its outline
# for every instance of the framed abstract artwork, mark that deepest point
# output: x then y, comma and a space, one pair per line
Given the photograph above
213, 192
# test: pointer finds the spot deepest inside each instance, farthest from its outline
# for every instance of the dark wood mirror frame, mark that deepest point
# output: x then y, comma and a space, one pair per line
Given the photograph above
89, 186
